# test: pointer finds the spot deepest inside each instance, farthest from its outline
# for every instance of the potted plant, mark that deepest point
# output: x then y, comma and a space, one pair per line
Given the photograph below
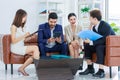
115, 28
85, 11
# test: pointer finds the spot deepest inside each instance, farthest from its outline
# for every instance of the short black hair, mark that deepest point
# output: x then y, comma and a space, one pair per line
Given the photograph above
53, 15
96, 14
71, 14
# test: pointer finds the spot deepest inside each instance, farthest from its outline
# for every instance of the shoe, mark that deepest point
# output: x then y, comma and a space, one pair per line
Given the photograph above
22, 72
87, 71
99, 74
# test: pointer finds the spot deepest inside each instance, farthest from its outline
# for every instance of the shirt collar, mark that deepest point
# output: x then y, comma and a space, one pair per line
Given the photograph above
96, 27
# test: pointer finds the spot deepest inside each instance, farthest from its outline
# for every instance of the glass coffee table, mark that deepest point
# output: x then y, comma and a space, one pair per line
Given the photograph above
57, 69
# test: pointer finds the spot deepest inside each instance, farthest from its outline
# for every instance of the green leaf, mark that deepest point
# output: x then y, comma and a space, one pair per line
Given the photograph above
115, 28
85, 9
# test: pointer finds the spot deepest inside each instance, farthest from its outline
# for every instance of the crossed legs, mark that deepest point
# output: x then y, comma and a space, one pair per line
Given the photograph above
35, 54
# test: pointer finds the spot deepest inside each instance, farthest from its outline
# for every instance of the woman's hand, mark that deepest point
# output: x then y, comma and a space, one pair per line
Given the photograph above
75, 44
26, 34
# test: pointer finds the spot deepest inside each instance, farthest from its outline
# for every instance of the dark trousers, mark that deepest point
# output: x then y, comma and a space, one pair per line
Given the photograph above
99, 50
62, 48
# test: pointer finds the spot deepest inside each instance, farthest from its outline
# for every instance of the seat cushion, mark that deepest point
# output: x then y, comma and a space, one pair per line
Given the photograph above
17, 59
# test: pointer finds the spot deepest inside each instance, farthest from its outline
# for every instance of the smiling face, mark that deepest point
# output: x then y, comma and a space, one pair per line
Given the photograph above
52, 22
72, 20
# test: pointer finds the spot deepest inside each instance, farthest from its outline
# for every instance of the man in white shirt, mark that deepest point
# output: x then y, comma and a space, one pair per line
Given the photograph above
97, 46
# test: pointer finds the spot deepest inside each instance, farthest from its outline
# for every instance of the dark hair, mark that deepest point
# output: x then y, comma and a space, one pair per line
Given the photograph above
18, 18
71, 14
53, 15
96, 14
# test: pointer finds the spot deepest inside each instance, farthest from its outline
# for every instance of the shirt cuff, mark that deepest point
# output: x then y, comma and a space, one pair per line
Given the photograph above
47, 42
91, 43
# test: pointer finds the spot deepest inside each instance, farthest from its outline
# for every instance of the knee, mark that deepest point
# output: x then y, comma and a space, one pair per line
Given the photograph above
36, 48
70, 46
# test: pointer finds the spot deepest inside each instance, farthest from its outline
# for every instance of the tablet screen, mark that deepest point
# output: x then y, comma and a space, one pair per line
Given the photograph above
56, 34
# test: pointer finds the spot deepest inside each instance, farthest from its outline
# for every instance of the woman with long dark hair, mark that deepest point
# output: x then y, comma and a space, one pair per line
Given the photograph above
18, 35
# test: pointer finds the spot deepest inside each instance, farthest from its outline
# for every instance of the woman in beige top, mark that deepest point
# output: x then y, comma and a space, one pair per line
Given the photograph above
73, 40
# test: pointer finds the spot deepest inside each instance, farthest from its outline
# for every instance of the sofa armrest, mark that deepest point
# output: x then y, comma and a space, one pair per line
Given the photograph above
6, 48
112, 50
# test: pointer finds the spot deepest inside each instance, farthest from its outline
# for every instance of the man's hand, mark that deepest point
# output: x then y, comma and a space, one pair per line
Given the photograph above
87, 41
90, 26
58, 39
51, 40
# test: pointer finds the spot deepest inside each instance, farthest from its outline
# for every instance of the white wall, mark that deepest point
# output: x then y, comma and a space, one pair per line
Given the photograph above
70, 7
8, 9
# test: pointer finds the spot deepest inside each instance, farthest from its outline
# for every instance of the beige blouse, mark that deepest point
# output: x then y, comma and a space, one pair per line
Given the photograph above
70, 35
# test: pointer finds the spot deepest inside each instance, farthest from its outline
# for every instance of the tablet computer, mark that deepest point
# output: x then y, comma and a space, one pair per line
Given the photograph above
32, 34
56, 34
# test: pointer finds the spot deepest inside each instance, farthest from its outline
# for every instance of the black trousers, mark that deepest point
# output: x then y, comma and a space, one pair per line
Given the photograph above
99, 50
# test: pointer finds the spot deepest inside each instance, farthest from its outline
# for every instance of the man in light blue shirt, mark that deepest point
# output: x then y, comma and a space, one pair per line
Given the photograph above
47, 42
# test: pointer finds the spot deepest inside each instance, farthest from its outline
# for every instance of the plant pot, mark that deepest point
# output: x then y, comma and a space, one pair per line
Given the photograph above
85, 15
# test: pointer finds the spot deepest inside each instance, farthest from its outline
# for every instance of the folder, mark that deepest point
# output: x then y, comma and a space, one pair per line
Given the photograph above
88, 34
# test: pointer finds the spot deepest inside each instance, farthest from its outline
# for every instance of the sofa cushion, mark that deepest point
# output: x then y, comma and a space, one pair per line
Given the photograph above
17, 59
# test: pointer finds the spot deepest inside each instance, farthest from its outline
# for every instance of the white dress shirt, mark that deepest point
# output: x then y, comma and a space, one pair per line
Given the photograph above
96, 28
51, 44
